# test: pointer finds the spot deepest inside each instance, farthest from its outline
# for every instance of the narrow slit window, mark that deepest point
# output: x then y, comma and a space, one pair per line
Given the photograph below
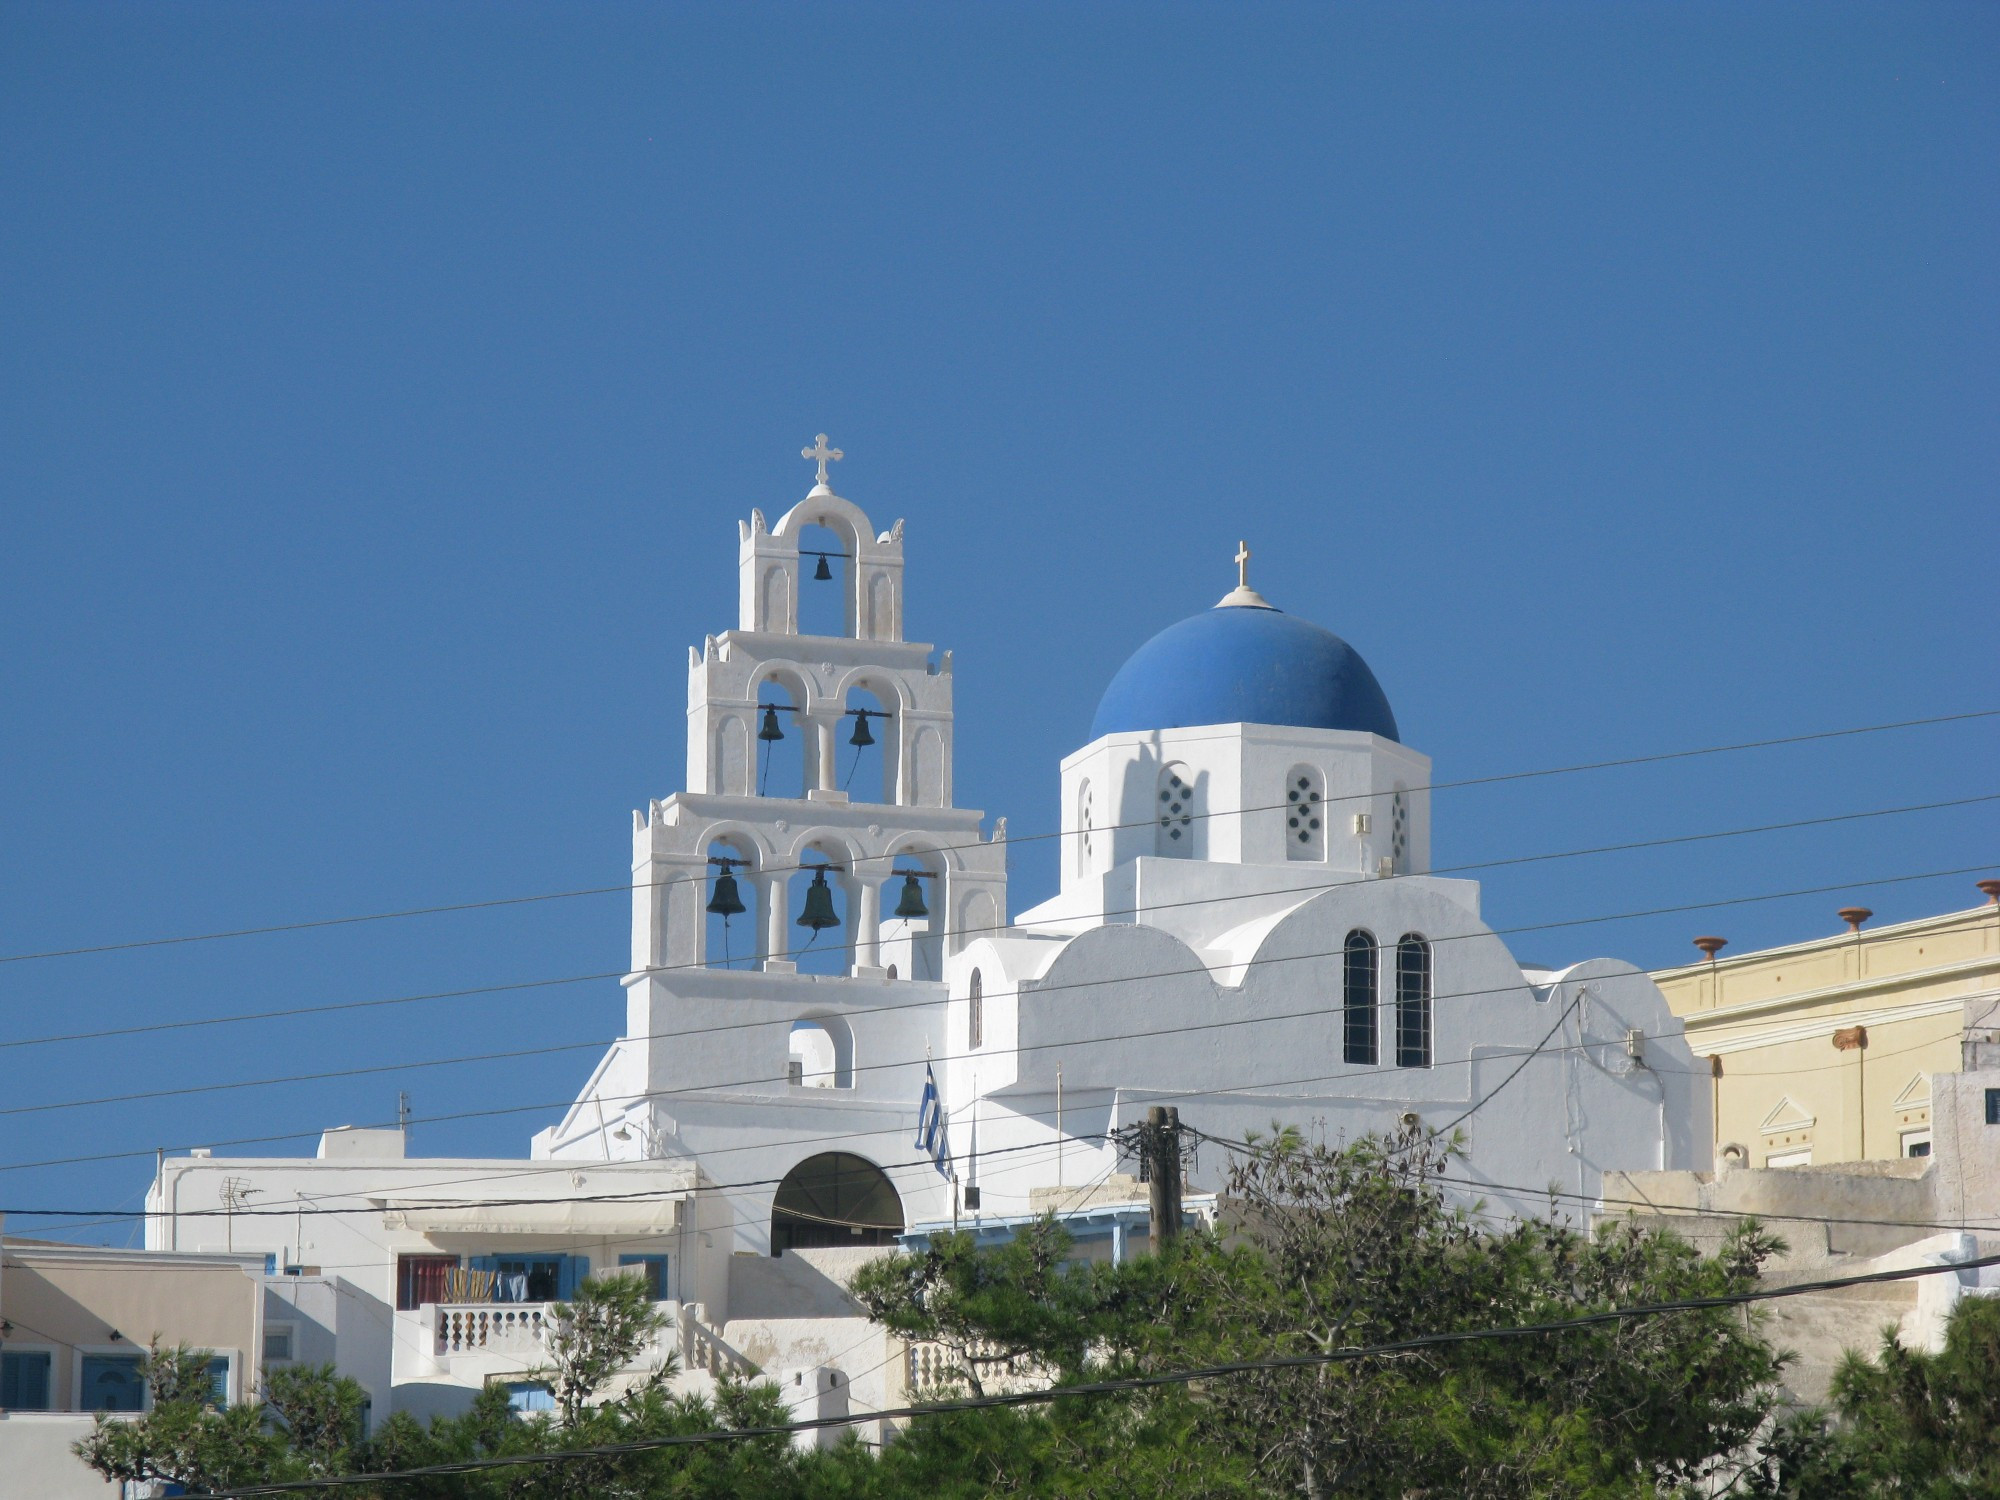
1357, 999
1413, 1002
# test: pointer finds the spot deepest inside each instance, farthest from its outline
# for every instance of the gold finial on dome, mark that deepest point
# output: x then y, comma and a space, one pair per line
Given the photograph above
1243, 596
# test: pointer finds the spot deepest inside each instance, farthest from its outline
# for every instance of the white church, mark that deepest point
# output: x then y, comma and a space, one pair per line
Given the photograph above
1246, 929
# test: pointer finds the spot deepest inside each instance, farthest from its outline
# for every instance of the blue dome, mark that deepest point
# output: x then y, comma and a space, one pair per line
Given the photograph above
1238, 664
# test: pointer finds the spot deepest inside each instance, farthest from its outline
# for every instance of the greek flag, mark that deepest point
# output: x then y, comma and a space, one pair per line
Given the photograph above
931, 1138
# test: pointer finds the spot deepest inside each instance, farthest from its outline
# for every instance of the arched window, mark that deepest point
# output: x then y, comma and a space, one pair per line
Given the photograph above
781, 762
826, 604
834, 1199
822, 1054
1305, 814
975, 1012
1175, 811
1357, 999
820, 936
733, 929
1413, 1002
867, 744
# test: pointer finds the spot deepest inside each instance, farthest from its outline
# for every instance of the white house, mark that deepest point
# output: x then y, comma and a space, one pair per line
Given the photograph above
427, 1278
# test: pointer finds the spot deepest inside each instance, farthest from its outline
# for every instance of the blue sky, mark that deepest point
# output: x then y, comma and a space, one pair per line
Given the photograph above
380, 386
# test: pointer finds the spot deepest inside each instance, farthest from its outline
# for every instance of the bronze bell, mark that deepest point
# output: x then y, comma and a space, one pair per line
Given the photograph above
770, 731
861, 736
822, 573
819, 913
726, 902
911, 902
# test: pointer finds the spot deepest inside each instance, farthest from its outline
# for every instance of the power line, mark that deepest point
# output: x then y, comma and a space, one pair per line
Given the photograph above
1315, 886
1039, 989
1126, 1383
119, 1215
1533, 1052
297, 1210
1436, 786
1670, 1211
1664, 1211
637, 1195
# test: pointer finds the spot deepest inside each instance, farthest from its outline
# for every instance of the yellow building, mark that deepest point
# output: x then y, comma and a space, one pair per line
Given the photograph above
1823, 1051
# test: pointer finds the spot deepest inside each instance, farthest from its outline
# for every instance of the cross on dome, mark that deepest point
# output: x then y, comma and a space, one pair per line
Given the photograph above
823, 454
1243, 596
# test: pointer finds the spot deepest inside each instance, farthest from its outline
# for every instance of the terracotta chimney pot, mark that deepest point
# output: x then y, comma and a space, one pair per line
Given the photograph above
1854, 916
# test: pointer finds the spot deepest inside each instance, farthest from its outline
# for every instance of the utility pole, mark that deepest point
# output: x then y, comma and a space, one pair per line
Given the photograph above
1161, 1140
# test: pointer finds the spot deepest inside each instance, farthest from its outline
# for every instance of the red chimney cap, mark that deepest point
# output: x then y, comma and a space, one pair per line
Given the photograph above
1711, 946
1854, 916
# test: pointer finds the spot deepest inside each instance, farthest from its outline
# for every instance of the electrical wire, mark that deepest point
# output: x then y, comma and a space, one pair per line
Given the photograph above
1102, 916
1198, 968
101, 1216
1665, 1211
1486, 1098
1039, 990
637, 1195
628, 886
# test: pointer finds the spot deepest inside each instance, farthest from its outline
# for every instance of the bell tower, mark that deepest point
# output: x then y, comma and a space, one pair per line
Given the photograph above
816, 761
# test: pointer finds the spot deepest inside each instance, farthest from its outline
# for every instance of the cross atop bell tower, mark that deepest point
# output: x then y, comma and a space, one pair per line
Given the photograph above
824, 454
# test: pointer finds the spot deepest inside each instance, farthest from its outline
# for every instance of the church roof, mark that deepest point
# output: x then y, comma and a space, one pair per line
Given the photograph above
1244, 662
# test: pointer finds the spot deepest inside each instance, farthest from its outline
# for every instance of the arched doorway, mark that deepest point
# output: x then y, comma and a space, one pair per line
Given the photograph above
833, 1199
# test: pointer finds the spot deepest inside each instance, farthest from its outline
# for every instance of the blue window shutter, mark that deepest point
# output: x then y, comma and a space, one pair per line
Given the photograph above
24, 1380
483, 1263
574, 1269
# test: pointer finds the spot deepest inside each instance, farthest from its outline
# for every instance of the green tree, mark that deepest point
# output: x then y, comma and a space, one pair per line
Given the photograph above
1907, 1423
1329, 1248
597, 1335
318, 1413
185, 1438
1020, 1302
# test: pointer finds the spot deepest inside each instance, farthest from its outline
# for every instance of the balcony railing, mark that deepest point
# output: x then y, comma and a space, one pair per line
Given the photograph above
520, 1330
933, 1367
501, 1327
702, 1348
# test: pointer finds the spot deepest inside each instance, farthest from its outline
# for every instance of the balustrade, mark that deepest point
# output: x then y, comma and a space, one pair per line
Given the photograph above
503, 1326
931, 1367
